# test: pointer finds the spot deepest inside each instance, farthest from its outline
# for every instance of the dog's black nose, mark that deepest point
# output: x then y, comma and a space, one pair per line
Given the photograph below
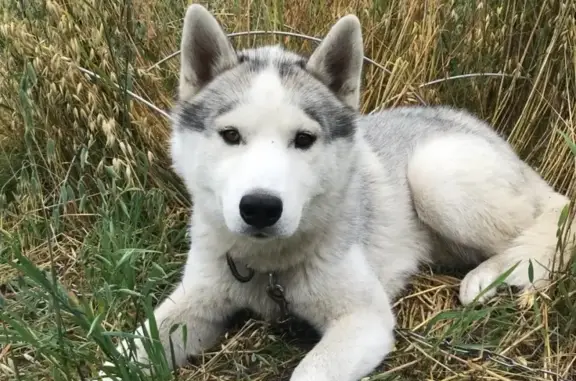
260, 210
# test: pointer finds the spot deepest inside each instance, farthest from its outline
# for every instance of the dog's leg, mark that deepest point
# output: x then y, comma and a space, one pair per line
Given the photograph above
480, 195
354, 314
200, 303
351, 347
533, 250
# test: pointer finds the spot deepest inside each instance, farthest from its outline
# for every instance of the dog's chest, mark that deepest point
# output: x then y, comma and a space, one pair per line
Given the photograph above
268, 295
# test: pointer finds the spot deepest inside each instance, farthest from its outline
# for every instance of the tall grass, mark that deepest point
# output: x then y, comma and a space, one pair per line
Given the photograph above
93, 221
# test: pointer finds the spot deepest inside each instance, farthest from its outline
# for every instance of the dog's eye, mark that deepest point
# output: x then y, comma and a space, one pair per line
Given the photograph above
231, 136
304, 140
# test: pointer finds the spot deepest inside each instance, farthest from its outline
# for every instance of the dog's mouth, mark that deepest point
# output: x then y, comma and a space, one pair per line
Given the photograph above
263, 234
259, 234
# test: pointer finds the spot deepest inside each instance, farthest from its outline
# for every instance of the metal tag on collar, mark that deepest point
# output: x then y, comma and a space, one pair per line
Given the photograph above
234, 270
276, 292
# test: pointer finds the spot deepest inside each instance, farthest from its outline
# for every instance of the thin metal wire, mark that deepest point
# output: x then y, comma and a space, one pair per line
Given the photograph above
306, 37
272, 32
471, 75
480, 353
460, 76
132, 94
289, 34
236, 34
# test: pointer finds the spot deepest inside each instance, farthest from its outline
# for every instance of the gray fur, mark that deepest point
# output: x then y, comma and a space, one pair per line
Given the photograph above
228, 88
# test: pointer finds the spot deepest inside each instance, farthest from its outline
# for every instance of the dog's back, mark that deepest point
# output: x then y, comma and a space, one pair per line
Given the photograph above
394, 133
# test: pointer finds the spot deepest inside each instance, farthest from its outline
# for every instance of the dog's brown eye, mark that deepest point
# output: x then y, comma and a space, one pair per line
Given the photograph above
231, 136
304, 140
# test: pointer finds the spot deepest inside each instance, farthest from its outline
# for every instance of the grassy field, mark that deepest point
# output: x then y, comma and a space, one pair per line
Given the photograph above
93, 220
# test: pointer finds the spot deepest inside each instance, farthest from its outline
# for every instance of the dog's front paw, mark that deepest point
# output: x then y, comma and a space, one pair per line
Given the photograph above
103, 376
137, 353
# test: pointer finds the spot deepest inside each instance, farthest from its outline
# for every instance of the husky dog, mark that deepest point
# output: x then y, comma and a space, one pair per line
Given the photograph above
302, 204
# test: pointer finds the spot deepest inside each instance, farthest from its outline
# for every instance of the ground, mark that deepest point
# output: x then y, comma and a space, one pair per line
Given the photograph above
93, 220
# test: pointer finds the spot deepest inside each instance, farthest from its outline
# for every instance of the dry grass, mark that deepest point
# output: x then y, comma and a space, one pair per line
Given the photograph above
87, 196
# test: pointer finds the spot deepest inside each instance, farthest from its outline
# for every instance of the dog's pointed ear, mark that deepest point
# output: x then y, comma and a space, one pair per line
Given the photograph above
205, 52
337, 61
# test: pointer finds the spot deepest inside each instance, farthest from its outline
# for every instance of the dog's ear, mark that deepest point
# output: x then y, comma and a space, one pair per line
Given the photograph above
337, 62
205, 52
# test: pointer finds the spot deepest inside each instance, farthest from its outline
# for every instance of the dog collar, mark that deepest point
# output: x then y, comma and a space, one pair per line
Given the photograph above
274, 290
234, 270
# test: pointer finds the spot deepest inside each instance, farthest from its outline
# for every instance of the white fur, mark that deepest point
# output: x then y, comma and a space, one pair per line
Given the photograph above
360, 212
461, 188
266, 163
267, 91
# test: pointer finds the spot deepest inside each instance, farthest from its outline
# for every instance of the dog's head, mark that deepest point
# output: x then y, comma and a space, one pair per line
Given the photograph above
260, 134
